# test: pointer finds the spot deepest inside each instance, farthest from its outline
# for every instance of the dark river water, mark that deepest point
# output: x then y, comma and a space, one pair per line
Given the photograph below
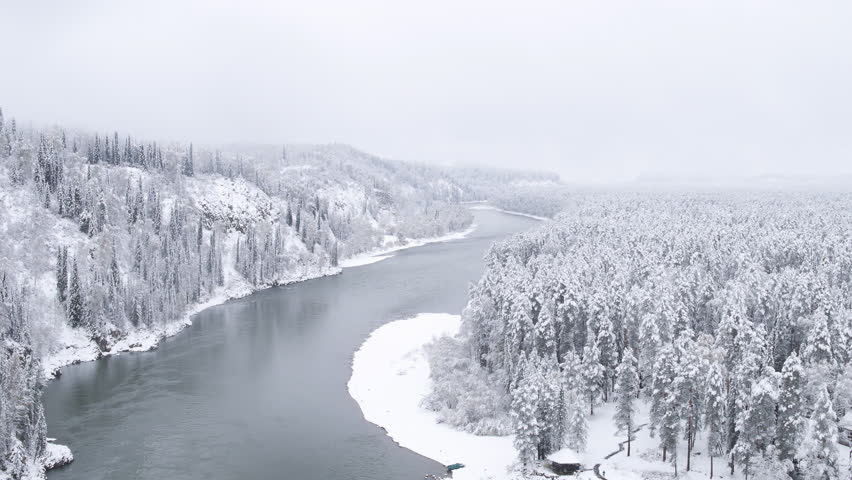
256, 387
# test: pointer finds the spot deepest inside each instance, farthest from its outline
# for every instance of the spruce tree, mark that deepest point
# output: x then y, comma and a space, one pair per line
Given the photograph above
76, 307
626, 389
62, 272
818, 348
688, 388
593, 375
714, 412
790, 409
755, 420
334, 254
608, 354
199, 234
577, 428
525, 399
189, 163
818, 458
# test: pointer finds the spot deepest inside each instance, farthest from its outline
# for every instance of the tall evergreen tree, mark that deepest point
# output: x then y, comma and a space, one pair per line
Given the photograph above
62, 272
593, 375
76, 303
756, 419
790, 409
818, 457
714, 412
688, 388
525, 399
608, 357
818, 349
189, 163
626, 389
577, 429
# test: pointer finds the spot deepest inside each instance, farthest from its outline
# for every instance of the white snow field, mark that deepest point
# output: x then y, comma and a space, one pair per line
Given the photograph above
390, 375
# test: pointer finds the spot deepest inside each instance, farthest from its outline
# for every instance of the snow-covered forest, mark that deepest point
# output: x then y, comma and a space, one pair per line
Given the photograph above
724, 320
110, 241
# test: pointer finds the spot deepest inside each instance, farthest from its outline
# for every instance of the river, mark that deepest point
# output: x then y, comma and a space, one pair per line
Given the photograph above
256, 387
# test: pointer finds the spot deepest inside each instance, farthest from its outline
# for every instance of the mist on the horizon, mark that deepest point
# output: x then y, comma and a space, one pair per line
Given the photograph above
601, 93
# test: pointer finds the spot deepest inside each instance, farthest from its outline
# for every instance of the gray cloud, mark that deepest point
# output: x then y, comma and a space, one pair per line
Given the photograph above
598, 91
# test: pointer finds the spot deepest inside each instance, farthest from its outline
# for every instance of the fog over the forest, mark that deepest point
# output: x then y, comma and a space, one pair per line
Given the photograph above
596, 91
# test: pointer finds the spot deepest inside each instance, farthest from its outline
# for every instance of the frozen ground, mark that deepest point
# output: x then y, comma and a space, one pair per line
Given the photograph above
390, 377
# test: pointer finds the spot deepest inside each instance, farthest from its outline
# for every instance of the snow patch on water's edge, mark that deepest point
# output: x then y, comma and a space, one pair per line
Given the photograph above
55, 455
509, 212
390, 377
384, 253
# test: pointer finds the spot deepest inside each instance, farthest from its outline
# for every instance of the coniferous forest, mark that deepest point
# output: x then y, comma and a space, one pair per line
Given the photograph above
723, 320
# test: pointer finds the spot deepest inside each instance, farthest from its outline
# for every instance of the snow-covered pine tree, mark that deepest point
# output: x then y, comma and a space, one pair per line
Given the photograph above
578, 427
714, 412
732, 333
756, 419
188, 163
818, 349
335, 248
550, 417
76, 303
626, 388
665, 404
608, 353
688, 388
663, 374
649, 343
790, 409
818, 459
62, 272
525, 407
593, 375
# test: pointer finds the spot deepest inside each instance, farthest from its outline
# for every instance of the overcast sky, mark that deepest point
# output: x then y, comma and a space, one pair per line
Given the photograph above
597, 90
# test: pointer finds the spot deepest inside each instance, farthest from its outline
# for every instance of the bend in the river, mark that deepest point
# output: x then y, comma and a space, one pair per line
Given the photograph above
256, 388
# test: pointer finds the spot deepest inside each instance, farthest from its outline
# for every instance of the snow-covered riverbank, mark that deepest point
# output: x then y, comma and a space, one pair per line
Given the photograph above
79, 348
393, 245
390, 376
483, 206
